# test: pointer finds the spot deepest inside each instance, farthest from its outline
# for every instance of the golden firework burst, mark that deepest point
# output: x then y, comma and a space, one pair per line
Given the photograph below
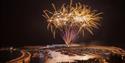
70, 18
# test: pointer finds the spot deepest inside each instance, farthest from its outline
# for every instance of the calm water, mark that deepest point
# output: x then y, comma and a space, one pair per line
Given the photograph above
8, 55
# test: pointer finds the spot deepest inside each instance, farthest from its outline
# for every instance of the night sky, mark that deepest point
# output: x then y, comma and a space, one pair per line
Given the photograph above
22, 22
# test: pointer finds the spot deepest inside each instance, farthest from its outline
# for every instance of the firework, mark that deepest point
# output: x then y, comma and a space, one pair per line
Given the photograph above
70, 20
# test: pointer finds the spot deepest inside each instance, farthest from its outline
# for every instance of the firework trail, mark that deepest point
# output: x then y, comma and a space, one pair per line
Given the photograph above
71, 20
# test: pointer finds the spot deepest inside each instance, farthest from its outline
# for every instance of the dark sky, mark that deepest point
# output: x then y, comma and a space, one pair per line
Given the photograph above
22, 22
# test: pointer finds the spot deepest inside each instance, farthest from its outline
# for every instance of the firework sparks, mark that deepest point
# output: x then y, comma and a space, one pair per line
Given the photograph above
71, 20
